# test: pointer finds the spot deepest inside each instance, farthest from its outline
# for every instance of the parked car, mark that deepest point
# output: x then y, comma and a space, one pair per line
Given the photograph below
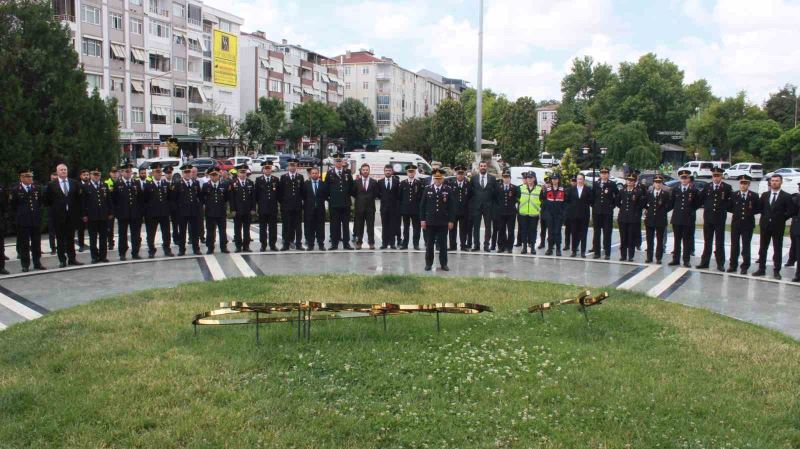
724, 165
698, 169
204, 163
224, 164
698, 184
752, 169
307, 161
548, 160
248, 161
790, 172
589, 178
646, 179
164, 161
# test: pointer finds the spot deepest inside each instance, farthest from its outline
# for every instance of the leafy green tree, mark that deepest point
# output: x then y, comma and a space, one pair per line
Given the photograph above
412, 135
781, 106
783, 151
644, 156
316, 119
566, 135
752, 136
358, 122
100, 144
517, 133
210, 124
256, 131
710, 126
698, 95
568, 166
579, 88
493, 107
620, 138
449, 132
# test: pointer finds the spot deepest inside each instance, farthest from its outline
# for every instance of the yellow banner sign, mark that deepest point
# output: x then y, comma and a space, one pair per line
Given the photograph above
225, 56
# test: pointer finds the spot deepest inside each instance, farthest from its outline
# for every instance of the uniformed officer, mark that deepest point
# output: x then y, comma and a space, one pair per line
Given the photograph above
410, 196
80, 225
437, 215
339, 181
685, 200
459, 186
3, 211
506, 200
215, 196
26, 205
543, 222
794, 232
568, 237
389, 194
744, 206
113, 176
291, 190
267, 202
186, 196
605, 198
171, 178
657, 204
630, 202
530, 205
715, 199
157, 211
554, 210
315, 193
127, 198
97, 213
201, 224
242, 200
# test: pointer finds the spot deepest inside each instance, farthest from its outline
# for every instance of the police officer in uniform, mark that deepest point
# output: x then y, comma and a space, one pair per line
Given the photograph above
605, 198
3, 210
437, 215
656, 206
389, 194
113, 176
80, 225
543, 222
291, 189
794, 232
554, 210
26, 205
744, 206
459, 186
410, 195
186, 196
241, 197
339, 181
267, 201
215, 196
715, 198
97, 213
530, 205
157, 210
506, 200
315, 193
127, 198
685, 201
630, 202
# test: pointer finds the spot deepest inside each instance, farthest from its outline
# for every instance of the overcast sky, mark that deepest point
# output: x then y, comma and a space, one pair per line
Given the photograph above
529, 44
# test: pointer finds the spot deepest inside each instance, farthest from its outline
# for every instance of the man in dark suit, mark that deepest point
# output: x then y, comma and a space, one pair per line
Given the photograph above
776, 207
715, 199
685, 201
62, 195
744, 206
437, 213
579, 202
241, 197
506, 209
481, 205
157, 210
459, 189
267, 201
215, 198
315, 193
794, 231
389, 194
291, 190
339, 182
656, 206
97, 213
605, 199
26, 207
365, 192
127, 196
185, 193
410, 194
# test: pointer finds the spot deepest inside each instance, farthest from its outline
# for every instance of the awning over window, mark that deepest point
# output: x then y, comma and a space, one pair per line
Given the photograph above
200, 93
276, 65
263, 63
324, 77
118, 50
161, 84
308, 90
160, 110
137, 54
297, 89
286, 70
137, 86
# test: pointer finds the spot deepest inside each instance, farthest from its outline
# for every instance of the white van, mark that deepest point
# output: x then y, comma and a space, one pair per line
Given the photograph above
752, 169
547, 160
244, 160
699, 169
378, 159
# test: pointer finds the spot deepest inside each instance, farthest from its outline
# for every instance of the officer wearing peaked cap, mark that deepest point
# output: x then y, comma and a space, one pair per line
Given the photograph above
266, 187
186, 196
460, 195
744, 206
157, 211
340, 186
506, 201
436, 213
656, 206
291, 189
241, 197
605, 199
127, 197
411, 190
715, 198
97, 213
214, 196
685, 201
630, 202
26, 207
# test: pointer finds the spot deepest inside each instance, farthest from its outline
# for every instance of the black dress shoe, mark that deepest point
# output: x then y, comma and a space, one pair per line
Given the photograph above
789, 264
321, 248
583, 255
299, 248
687, 265
333, 247
40, 267
731, 269
451, 248
197, 252
224, 251
263, 248
445, 268
658, 261
74, 263
608, 257
81, 248
428, 268
533, 251
209, 251
674, 263
123, 258
151, 255
283, 248
136, 257
104, 261
549, 252
596, 256
273, 248
402, 247
541, 246
759, 272
416, 247
4, 271
623, 259
384, 247
648, 261
794, 279
181, 253
169, 253
62, 265
777, 275
475, 249
743, 271
573, 254
348, 247
25, 269
702, 266
720, 268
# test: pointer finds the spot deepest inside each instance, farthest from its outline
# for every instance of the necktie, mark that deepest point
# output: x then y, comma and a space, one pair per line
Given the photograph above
365, 184
774, 197
128, 184
315, 188
338, 173
65, 186
27, 189
483, 182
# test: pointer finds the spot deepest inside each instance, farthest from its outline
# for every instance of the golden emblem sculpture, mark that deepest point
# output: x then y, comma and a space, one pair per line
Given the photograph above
583, 300
305, 312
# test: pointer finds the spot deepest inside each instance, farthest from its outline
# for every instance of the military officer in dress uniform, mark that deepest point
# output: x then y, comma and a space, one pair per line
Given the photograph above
3, 210
26, 205
267, 201
459, 188
657, 204
389, 194
97, 213
685, 201
186, 196
410, 196
127, 198
630, 202
506, 201
744, 206
554, 210
215, 195
315, 193
80, 225
605, 198
242, 199
113, 176
437, 215
339, 181
157, 210
171, 178
291, 189
715, 199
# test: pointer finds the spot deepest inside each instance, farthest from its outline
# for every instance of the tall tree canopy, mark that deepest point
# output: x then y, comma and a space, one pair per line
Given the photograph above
517, 134
449, 132
358, 123
412, 135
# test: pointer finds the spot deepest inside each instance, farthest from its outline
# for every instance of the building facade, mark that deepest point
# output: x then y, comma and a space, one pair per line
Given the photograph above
165, 61
546, 118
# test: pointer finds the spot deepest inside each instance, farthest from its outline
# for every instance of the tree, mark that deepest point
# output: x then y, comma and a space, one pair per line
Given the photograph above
517, 135
449, 132
709, 127
412, 135
358, 122
579, 88
781, 106
752, 136
210, 124
566, 135
46, 115
316, 119
256, 131
492, 111
568, 167
620, 139
698, 95
644, 156
783, 151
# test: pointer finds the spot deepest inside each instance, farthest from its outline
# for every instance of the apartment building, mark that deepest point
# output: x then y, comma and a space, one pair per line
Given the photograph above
546, 118
163, 60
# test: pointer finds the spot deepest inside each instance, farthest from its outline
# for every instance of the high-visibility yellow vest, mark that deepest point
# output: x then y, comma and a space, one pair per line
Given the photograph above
529, 202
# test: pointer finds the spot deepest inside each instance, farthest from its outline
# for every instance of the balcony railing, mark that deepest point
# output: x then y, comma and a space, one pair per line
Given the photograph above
383, 77
64, 17
160, 11
195, 22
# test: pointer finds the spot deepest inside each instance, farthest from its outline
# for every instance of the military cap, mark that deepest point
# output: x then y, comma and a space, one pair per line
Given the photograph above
83, 170
531, 174
684, 172
187, 167
95, 171
242, 167
411, 167
438, 174
658, 178
555, 175
126, 166
113, 170
631, 177
745, 178
169, 169
717, 171
156, 166
604, 170
338, 156
212, 171
524, 175
26, 172
460, 168
266, 163
292, 160
506, 174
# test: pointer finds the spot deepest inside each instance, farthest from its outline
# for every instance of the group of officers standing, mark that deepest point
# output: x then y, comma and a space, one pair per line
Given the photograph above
190, 209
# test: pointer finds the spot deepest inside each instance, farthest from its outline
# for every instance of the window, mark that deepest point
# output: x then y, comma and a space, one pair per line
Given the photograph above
262, 84
136, 26
136, 2
207, 70
365, 85
115, 20
365, 100
159, 62
287, 87
121, 114
383, 102
159, 29
206, 45
180, 92
181, 118
194, 15
137, 115
224, 25
383, 117
365, 70
194, 67
160, 88
180, 64
178, 10
117, 85
316, 76
158, 117
194, 45
91, 47
90, 14
94, 81
180, 40
274, 86
347, 70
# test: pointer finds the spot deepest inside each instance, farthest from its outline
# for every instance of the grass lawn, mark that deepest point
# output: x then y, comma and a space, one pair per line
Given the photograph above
128, 372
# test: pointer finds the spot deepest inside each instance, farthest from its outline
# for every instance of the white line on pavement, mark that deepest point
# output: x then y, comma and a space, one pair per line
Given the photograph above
18, 308
240, 263
665, 283
214, 267
639, 277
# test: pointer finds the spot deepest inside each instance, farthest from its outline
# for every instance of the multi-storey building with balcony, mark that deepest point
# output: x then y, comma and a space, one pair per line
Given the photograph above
156, 58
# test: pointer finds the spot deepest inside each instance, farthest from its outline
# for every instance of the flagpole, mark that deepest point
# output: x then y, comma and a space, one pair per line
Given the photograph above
479, 92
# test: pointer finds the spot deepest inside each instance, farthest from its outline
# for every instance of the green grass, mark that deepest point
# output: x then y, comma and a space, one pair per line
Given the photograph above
128, 372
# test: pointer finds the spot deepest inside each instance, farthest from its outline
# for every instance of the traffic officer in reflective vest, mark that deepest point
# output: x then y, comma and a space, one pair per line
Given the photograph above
715, 199
685, 200
743, 206
214, 196
630, 202
241, 197
657, 204
530, 205
437, 214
